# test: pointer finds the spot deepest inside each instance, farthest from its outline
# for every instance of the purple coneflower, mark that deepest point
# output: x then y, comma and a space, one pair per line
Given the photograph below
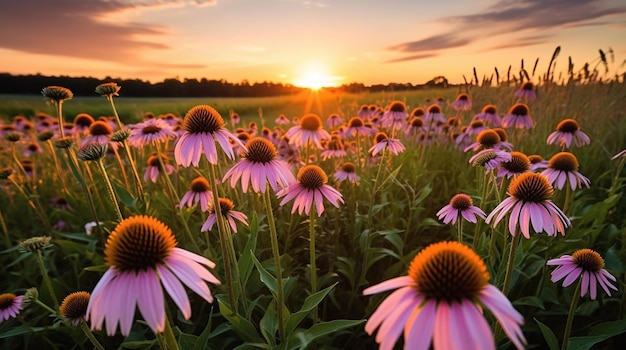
490, 158
529, 202
234, 118
334, 120
347, 171
203, 126
527, 91
537, 162
586, 263
562, 168
441, 301
226, 206
356, 127
395, 116
568, 132
434, 116
461, 205
309, 130
462, 103
282, 120
151, 131
259, 166
82, 122
10, 306
199, 192
415, 128
99, 132
518, 117
141, 254
74, 307
154, 168
382, 143
310, 187
334, 148
489, 114
32, 148
518, 164
489, 138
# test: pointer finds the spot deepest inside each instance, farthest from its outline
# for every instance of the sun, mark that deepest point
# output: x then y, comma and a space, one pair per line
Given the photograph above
315, 79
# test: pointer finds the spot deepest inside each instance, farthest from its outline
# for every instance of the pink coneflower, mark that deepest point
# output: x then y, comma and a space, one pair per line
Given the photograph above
10, 306
171, 119
568, 132
60, 203
282, 120
416, 127
461, 205
355, 127
154, 168
526, 91
395, 116
32, 148
382, 143
347, 171
529, 202
334, 120
310, 187
334, 148
199, 192
489, 114
462, 103
489, 138
308, 131
203, 126
74, 307
518, 165
537, 162
364, 112
586, 263
82, 122
234, 118
260, 166
518, 117
141, 254
434, 116
226, 206
151, 131
99, 132
441, 301
490, 158
562, 168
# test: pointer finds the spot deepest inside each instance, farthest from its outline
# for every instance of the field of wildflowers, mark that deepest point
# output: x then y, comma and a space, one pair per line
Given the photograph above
471, 217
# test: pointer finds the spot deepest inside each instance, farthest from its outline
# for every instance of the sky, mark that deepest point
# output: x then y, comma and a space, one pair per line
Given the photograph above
323, 42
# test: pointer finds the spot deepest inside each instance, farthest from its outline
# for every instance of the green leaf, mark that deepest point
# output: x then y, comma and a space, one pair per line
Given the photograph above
245, 261
309, 304
203, 339
269, 324
242, 326
530, 301
548, 335
125, 197
301, 339
268, 280
598, 333
21, 330
97, 268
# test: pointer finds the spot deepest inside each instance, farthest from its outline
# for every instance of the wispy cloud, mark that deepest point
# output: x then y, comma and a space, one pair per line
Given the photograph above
74, 28
510, 17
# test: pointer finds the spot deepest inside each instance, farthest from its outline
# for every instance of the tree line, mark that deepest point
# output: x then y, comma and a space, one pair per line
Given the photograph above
84, 86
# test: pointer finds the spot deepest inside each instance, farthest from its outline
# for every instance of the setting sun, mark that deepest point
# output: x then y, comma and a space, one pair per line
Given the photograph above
315, 79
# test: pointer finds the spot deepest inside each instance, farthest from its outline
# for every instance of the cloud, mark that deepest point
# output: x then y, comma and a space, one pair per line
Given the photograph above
412, 57
510, 17
74, 28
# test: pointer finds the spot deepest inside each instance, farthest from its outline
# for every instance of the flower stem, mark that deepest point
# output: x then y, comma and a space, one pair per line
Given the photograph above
460, 231
48, 308
276, 253
46, 280
109, 186
71, 159
569, 197
60, 116
89, 334
169, 340
312, 259
570, 315
510, 263
228, 265
129, 155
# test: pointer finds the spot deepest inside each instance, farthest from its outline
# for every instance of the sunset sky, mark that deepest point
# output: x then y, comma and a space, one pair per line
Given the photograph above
294, 41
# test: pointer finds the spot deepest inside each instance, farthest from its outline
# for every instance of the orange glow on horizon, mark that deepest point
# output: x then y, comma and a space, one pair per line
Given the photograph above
315, 78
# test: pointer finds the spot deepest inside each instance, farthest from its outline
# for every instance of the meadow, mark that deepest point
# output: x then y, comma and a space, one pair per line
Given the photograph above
54, 184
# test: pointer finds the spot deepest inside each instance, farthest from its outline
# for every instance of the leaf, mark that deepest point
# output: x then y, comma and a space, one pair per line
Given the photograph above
548, 335
240, 325
268, 280
309, 304
269, 324
203, 339
20, 331
245, 261
97, 268
530, 301
125, 197
301, 340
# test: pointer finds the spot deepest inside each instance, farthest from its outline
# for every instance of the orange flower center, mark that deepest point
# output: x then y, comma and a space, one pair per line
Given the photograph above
519, 163
491, 109
461, 201
312, 177
488, 138
348, 167
138, 243
260, 150
355, 122
311, 122
588, 260
434, 109
74, 306
99, 128
449, 271
531, 187
150, 129
6, 300
568, 125
564, 161
199, 184
519, 109
397, 106
203, 119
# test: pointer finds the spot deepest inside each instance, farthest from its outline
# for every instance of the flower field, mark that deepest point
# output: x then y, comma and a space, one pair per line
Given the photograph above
468, 217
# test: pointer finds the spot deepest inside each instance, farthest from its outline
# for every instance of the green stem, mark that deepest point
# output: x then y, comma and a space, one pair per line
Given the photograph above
109, 186
460, 231
374, 189
279, 279
129, 155
47, 280
223, 239
90, 335
510, 263
73, 162
48, 308
570, 315
57, 167
42, 216
312, 259
169, 340
569, 196
60, 115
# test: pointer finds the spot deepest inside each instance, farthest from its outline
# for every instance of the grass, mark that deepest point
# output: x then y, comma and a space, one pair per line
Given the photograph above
386, 220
